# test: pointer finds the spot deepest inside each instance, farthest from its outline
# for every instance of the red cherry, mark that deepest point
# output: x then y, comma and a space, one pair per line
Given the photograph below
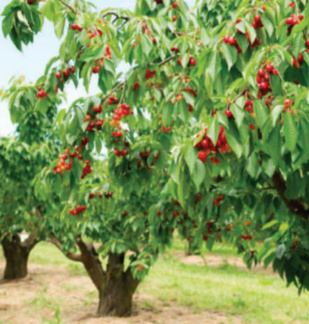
175, 5
307, 43
42, 94
261, 73
66, 73
96, 70
228, 114
202, 156
31, 1
287, 102
174, 19
74, 26
289, 21
269, 68
58, 75
91, 195
300, 59
275, 72
257, 18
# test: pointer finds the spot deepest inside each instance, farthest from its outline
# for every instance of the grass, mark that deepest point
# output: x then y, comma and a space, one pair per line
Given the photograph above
256, 298
251, 296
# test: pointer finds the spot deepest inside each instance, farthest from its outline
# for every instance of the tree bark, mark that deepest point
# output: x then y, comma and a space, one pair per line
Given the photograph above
116, 287
117, 296
192, 248
16, 256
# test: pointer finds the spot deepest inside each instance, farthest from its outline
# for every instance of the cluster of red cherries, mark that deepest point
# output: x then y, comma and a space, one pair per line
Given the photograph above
61, 165
293, 20
207, 147
87, 169
112, 100
149, 74
108, 54
263, 79
78, 210
94, 122
218, 200
122, 111
233, 42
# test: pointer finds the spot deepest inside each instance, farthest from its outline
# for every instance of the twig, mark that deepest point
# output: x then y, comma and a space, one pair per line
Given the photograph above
68, 6
119, 85
112, 13
74, 257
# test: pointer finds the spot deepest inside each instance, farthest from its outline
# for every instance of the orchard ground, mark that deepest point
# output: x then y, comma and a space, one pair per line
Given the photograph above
181, 289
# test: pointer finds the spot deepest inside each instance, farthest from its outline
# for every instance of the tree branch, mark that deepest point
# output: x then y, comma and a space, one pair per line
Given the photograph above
74, 257
112, 13
92, 263
294, 205
68, 6
119, 85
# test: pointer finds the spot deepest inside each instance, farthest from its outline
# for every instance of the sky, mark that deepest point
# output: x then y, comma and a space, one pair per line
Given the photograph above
31, 62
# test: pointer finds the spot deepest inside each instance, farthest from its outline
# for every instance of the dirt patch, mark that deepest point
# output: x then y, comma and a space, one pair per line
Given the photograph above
217, 261
51, 293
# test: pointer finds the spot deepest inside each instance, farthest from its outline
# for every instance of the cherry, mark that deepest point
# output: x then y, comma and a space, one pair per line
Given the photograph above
228, 114
159, 213
199, 196
91, 195
97, 110
261, 73
257, 18
58, 75
42, 94
307, 43
300, 59
31, 2
66, 73
96, 70
202, 156
74, 26
287, 102
174, 19
269, 68
175, 5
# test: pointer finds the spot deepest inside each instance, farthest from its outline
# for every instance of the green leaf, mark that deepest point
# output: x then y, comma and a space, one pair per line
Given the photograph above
199, 174
213, 131
280, 251
190, 158
230, 55
59, 27
270, 224
238, 114
290, 131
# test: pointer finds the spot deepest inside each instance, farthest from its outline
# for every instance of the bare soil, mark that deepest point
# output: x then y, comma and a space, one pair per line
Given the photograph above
51, 290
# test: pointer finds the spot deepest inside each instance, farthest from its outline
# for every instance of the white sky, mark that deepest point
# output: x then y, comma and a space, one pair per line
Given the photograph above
31, 62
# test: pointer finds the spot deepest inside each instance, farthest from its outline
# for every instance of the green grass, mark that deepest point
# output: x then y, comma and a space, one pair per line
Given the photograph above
256, 298
253, 297
219, 248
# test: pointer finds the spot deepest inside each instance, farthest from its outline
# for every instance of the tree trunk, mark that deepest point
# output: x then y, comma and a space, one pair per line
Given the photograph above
192, 248
16, 257
117, 296
115, 286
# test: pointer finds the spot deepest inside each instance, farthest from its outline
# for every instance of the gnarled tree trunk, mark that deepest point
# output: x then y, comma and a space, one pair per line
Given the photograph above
116, 287
16, 255
117, 295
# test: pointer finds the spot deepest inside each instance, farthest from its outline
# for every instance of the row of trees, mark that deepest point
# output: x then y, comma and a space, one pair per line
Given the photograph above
205, 133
